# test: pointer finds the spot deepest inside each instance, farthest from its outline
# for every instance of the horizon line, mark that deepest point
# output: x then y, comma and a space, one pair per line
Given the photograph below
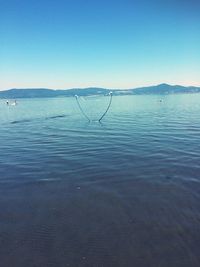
97, 87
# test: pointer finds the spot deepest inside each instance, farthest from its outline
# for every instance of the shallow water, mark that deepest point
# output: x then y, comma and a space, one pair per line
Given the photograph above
125, 192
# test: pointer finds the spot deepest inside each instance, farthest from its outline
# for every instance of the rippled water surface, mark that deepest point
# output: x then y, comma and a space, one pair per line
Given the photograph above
122, 193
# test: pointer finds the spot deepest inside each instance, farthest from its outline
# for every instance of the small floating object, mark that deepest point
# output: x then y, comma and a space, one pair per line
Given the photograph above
12, 103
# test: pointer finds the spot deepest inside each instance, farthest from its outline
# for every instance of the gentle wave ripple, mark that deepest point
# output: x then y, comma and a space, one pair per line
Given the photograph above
124, 192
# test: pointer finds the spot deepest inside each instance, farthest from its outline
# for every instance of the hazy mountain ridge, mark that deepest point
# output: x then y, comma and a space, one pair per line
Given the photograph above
44, 92
166, 89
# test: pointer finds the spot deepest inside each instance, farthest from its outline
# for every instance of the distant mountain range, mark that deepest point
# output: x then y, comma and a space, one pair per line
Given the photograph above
161, 89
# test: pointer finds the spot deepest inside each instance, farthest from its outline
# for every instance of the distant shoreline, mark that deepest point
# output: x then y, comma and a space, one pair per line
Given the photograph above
161, 89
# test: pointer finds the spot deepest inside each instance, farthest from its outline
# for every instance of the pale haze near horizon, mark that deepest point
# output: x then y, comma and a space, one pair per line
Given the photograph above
120, 44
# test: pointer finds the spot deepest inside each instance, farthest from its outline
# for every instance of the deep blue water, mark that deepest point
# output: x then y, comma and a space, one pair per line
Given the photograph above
122, 193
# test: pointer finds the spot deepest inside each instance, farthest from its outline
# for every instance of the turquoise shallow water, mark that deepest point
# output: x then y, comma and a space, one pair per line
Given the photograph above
124, 192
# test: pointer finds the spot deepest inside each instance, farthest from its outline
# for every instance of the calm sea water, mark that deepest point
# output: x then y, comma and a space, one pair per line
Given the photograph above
122, 193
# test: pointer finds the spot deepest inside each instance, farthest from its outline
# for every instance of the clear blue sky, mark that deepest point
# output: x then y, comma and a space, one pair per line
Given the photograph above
113, 44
